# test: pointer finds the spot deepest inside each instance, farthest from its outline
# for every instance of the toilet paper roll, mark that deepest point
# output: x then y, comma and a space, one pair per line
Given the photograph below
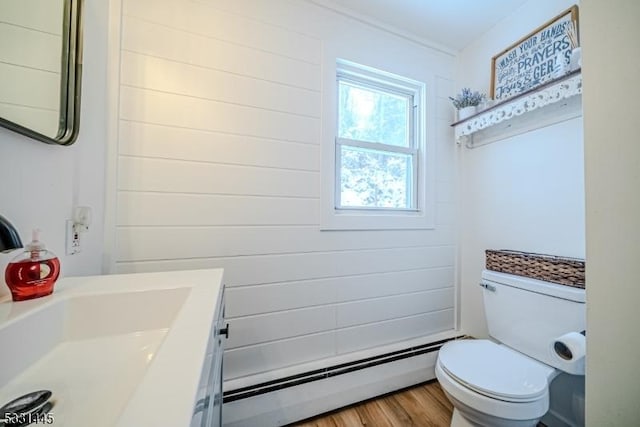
570, 347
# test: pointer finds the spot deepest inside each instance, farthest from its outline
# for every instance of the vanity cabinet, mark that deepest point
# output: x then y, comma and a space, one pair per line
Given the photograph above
208, 407
146, 348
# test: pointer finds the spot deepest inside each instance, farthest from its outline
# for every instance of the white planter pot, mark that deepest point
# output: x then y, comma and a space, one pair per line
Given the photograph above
466, 112
576, 59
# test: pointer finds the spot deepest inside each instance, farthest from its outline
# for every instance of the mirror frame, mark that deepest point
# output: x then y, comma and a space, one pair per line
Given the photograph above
70, 81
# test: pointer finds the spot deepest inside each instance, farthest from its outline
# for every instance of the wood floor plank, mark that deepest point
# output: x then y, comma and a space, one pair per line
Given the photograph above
372, 415
424, 405
438, 393
438, 412
346, 418
420, 413
394, 409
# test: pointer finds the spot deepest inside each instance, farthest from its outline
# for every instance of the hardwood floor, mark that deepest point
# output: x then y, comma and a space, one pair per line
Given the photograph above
424, 405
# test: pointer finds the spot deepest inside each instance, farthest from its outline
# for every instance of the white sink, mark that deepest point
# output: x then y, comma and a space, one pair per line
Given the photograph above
110, 348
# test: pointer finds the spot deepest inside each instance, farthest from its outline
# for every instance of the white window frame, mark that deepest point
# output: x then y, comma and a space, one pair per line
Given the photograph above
387, 87
421, 213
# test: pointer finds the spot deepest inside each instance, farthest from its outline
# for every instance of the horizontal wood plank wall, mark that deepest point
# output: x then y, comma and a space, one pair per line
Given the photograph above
33, 65
219, 166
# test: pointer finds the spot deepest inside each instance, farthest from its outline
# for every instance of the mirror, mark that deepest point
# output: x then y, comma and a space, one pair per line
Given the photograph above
41, 68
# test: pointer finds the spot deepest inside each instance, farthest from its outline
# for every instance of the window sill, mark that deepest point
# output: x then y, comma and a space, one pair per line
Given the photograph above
354, 219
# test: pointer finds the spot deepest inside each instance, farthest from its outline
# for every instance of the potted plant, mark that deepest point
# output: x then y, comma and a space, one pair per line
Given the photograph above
576, 51
466, 102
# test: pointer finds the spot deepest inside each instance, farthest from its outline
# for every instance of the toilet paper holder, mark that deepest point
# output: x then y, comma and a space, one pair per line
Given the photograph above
565, 351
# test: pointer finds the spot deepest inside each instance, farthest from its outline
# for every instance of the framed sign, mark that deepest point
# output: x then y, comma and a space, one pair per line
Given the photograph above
531, 61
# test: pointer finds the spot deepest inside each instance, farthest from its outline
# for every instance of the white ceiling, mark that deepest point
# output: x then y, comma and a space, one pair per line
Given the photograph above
451, 23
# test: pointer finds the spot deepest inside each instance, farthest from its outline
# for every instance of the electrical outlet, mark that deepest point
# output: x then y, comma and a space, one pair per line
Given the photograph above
73, 239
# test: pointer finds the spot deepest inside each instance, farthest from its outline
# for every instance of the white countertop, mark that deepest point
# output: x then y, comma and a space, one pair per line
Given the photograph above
115, 350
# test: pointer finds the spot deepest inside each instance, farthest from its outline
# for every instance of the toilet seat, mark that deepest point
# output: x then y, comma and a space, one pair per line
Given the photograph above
495, 371
467, 371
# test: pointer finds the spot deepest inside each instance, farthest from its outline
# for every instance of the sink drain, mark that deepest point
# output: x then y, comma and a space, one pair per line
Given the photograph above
30, 408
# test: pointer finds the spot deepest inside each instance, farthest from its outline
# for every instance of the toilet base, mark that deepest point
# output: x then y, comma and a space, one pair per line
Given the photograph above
459, 421
475, 418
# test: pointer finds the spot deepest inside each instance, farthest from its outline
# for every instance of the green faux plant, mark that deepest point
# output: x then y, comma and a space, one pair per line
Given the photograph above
466, 98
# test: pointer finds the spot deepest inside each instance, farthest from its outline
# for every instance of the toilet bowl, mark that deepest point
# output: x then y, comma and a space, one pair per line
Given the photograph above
491, 385
504, 382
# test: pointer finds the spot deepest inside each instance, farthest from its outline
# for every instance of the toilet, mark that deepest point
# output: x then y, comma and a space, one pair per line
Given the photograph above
505, 381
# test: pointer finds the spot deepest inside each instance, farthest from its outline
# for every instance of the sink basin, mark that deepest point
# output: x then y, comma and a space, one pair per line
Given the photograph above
96, 351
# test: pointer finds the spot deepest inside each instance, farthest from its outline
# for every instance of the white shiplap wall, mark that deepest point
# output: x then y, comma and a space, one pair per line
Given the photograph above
30, 60
220, 126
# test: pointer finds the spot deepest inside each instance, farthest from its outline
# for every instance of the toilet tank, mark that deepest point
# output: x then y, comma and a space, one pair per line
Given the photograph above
528, 315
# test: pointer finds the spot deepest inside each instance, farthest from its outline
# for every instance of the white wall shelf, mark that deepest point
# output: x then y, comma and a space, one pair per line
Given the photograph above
553, 102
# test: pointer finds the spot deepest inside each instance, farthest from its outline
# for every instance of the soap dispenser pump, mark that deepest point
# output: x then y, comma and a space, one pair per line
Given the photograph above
33, 273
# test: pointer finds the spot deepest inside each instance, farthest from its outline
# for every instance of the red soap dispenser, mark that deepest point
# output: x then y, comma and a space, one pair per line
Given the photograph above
33, 273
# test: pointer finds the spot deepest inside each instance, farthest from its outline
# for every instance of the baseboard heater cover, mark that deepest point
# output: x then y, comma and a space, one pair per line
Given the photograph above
331, 371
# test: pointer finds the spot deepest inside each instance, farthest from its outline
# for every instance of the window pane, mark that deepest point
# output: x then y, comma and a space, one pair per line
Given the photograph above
370, 115
375, 179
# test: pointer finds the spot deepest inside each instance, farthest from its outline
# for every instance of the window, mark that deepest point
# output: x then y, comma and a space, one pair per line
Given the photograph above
376, 151
379, 148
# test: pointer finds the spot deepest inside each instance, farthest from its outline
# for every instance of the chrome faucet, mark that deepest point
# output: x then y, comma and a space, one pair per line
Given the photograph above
9, 238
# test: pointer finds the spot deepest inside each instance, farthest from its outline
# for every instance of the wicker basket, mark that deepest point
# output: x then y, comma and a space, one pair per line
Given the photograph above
565, 271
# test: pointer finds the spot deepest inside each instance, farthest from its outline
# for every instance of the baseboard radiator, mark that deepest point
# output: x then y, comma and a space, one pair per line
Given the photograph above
289, 399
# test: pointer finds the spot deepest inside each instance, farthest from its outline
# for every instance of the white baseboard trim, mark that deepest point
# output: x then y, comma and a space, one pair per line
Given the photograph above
296, 403
231, 384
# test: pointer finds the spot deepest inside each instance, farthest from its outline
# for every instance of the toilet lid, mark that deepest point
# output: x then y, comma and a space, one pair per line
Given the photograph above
495, 370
